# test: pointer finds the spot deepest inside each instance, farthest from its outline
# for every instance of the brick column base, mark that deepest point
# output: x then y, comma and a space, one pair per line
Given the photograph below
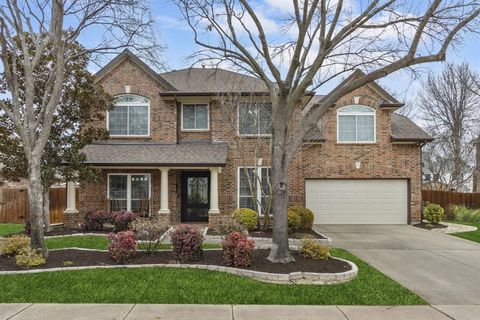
165, 218
214, 220
73, 219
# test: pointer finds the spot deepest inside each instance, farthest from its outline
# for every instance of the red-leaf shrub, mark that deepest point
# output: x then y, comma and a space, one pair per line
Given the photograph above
238, 250
123, 246
186, 244
122, 220
94, 219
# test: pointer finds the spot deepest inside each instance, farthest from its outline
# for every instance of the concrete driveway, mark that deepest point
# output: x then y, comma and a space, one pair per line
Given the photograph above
440, 268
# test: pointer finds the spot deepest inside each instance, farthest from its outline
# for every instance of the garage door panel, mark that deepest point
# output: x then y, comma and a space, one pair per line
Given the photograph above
374, 201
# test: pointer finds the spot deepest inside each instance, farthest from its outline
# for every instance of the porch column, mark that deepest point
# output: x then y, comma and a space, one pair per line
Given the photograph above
164, 192
214, 191
71, 201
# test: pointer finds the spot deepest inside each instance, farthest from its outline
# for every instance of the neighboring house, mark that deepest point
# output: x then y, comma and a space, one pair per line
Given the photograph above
171, 151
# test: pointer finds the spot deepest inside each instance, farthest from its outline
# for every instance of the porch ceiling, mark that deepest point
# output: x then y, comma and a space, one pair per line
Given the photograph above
156, 154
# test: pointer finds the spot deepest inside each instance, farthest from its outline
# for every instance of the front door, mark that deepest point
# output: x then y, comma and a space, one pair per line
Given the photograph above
195, 196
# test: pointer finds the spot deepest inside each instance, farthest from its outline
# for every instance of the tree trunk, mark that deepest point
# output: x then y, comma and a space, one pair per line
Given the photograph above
35, 198
46, 208
279, 180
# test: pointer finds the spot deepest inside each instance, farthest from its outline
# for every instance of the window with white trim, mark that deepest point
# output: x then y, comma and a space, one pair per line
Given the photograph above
129, 192
253, 189
195, 116
356, 124
130, 116
254, 118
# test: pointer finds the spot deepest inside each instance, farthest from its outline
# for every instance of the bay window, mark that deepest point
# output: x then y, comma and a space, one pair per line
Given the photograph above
129, 192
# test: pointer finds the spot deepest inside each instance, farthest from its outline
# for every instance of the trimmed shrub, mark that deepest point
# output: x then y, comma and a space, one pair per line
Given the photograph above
314, 250
238, 250
306, 215
230, 224
14, 245
247, 217
294, 220
94, 219
186, 244
433, 213
123, 246
150, 231
464, 214
29, 258
122, 220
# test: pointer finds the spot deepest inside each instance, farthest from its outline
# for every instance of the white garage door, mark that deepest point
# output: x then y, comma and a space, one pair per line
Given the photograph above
358, 201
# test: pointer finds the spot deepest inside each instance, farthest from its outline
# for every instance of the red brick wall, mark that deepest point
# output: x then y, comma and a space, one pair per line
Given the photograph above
327, 160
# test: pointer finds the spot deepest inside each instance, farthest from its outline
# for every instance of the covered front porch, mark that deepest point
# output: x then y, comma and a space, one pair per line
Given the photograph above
185, 192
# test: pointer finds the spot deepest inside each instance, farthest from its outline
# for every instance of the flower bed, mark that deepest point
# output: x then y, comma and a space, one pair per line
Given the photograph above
302, 271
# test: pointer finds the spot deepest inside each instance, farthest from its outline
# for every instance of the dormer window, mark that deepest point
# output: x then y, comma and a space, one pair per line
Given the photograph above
356, 124
130, 116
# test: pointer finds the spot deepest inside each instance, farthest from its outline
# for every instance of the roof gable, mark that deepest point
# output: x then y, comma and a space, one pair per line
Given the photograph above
128, 55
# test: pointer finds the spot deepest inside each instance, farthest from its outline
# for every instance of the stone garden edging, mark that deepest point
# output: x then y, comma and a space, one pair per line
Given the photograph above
291, 278
291, 241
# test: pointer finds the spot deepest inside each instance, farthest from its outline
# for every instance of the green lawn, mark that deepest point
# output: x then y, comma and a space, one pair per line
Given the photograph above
472, 235
7, 229
155, 285
99, 242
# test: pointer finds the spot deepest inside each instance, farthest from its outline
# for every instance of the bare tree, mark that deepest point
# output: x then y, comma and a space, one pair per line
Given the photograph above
54, 23
321, 39
451, 113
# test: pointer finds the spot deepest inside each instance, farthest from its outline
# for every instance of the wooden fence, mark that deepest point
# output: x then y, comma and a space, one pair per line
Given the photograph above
14, 205
447, 199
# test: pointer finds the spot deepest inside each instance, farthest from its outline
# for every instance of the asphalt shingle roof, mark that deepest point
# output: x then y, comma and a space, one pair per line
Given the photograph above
405, 129
156, 154
208, 80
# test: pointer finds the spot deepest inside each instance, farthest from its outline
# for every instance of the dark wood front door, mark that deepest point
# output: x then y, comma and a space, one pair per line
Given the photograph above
195, 196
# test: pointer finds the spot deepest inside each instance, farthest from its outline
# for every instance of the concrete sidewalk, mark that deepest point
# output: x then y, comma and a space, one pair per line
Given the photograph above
233, 312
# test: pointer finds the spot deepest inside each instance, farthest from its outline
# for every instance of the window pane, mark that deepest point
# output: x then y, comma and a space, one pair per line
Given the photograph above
140, 187
118, 187
255, 118
246, 199
365, 128
356, 109
346, 128
188, 116
246, 121
138, 118
201, 117
265, 189
117, 121
265, 115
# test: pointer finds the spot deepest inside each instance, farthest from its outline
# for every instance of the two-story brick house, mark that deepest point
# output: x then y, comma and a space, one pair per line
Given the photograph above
171, 150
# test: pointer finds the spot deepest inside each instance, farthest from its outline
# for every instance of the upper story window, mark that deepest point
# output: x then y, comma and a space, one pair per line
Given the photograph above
356, 124
255, 118
130, 116
195, 116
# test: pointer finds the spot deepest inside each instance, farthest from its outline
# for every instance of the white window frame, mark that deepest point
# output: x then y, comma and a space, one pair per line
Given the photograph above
374, 114
196, 104
266, 135
131, 104
129, 187
259, 185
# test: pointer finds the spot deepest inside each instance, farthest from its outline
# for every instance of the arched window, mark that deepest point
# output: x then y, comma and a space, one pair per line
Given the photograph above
356, 124
130, 116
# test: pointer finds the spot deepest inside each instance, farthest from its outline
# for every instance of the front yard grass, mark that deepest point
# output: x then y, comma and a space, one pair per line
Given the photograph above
7, 229
159, 285
471, 235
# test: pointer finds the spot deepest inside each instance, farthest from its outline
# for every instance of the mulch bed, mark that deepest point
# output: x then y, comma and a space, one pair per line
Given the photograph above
213, 257
300, 234
424, 225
